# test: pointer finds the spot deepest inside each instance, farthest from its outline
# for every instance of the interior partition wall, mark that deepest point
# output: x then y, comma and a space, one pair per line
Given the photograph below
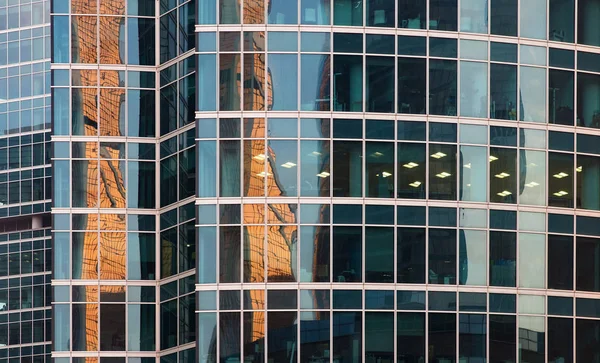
406, 181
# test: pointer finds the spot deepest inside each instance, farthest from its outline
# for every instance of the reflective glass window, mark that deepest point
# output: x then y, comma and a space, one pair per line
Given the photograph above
533, 177
532, 260
442, 172
314, 82
379, 254
379, 169
347, 173
588, 259
380, 13
504, 17
472, 257
315, 12
562, 21
347, 346
503, 178
347, 254
314, 254
561, 97
442, 87
473, 181
588, 106
533, 94
411, 85
442, 256
472, 337
379, 336
587, 31
474, 16
560, 180
560, 262
533, 19
411, 170
285, 87
412, 14
442, 337
314, 335
532, 338
503, 338
380, 86
443, 15
347, 83
503, 257
473, 90
411, 255
347, 12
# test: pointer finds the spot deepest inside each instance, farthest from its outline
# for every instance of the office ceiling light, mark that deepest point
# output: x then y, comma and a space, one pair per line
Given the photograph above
323, 174
262, 174
415, 184
532, 184
438, 155
502, 175
443, 175
315, 153
560, 175
377, 154
493, 158
468, 166
579, 169
410, 165
504, 193
260, 157
288, 165
560, 193
385, 174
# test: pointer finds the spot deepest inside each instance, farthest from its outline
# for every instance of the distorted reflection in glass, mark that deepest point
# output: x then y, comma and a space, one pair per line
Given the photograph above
347, 344
379, 254
255, 170
472, 337
282, 334
533, 177
283, 12
315, 12
473, 181
379, 178
314, 336
230, 11
141, 259
85, 327
442, 172
230, 334
314, 253
560, 180
473, 89
532, 338
229, 86
229, 168
254, 12
229, 254
314, 82
533, 94
254, 253
256, 95
283, 71
473, 257
503, 91
314, 168
283, 163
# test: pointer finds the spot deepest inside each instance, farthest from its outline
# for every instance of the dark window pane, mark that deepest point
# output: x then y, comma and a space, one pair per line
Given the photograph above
442, 256
347, 83
442, 338
503, 52
112, 327
561, 97
503, 91
379, 336
411, 85
472, 337
379, 254
562, 21
588, 340
503, 338
410, 335
347, 337
411, 255
380, 86
588, 262
504, 17
442, 87
587, 28
442, 15
560, 180
380, 13
412, 14
503, 257
560, 262
347, 252
411, 171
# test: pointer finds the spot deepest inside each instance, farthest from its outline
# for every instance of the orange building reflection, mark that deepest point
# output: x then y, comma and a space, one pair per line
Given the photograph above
98, 40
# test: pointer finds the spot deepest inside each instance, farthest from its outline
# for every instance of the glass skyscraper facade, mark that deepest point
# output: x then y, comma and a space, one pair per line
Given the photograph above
398, 181
25, 182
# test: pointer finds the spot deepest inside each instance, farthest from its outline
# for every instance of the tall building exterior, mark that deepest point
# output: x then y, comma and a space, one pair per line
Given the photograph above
398, 181
124, 175
25, 182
